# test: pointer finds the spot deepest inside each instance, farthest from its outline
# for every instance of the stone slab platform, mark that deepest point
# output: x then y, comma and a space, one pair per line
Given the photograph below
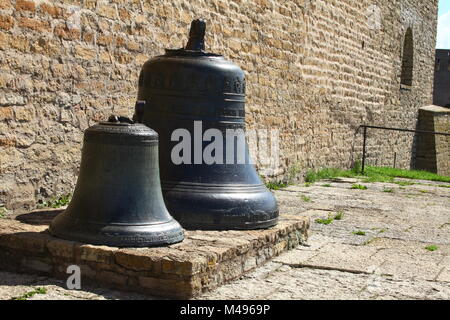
204, 261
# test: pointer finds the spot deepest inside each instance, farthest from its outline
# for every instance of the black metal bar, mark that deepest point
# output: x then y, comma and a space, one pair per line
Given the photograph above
406, 130
364, 150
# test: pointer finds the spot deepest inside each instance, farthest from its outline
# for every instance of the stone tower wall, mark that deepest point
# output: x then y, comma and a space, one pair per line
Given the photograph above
316, 70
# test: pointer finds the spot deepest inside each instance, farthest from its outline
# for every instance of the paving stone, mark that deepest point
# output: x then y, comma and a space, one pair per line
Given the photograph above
444, 274
350, 258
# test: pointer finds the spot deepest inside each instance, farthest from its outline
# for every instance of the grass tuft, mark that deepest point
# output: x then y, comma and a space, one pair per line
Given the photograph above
306, 198
55, 203
325, 221
432, 248
404, 183
276, 185
339, 216
31, 294
359, 233
358, 187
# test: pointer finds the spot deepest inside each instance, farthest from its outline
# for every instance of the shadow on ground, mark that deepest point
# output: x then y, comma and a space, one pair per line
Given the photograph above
38, 217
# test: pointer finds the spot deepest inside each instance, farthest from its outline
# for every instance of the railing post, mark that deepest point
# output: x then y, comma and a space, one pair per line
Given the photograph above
364, 151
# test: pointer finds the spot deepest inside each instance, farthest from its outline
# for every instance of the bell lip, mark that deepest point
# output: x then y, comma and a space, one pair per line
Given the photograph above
258, 225
66, 228
223, 209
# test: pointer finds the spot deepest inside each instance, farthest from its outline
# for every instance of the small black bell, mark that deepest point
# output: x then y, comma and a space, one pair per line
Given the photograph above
117, 199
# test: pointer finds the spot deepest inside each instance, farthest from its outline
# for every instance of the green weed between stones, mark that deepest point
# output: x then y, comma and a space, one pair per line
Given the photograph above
388, 190
276, 185
359, 233
327, 185
306, 198
30, 294
55, 203
325, 221
358, 187
432, 248
404, 183
338, 216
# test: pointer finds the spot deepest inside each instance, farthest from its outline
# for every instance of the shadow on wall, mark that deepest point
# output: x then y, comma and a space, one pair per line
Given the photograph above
413, 163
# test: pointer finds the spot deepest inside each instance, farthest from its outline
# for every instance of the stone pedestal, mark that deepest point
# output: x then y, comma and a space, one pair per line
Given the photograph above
433, 151
202, 262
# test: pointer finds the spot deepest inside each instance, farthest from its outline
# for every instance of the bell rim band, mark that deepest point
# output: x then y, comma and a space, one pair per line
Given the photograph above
248, 225
122, 236
120, 224
207, 188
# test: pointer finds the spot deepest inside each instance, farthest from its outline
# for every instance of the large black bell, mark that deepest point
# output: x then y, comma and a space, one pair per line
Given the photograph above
195, 100
117, 199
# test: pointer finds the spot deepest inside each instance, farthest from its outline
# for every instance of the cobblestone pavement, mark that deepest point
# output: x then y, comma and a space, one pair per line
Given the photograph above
381, 248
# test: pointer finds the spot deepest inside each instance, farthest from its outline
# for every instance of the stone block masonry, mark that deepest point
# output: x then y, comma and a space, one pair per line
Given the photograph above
433, 151
202, 262
316, 70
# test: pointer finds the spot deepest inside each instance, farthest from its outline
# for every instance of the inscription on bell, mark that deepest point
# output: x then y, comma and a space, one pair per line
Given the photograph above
234, 85
179, 82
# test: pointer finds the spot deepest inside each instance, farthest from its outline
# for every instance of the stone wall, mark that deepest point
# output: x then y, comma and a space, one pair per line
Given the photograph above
316, 70
433, 151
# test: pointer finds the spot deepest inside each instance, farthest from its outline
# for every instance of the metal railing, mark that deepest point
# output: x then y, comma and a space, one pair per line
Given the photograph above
365, 127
